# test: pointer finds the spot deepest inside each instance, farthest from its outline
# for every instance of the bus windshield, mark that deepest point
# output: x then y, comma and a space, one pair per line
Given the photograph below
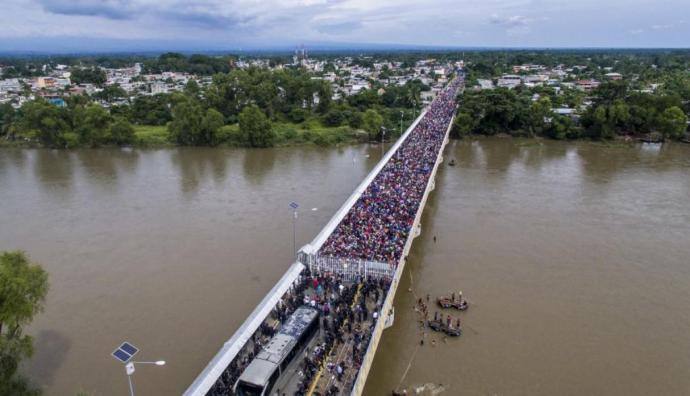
245, 389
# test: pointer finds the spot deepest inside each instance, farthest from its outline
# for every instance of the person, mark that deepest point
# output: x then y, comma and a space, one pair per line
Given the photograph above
433, 342
448, 320
434, 238
427, 297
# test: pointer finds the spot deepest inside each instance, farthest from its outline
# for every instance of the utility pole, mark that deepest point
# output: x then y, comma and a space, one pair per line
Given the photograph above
294, 207
401, 121
383, 135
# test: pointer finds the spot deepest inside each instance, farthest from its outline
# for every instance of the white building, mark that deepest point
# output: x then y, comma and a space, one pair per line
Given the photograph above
509, 81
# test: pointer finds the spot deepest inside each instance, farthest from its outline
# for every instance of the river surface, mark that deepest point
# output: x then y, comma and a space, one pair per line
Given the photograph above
575, 257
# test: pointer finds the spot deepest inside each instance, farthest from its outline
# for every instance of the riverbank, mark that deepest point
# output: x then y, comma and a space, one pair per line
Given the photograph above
309, 132
313, 133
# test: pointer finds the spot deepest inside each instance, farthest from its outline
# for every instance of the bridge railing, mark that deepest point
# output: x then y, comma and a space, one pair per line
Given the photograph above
349, 268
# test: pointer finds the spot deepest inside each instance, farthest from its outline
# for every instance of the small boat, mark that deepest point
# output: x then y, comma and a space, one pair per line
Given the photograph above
453, 332
439, 326
651, 138
451, 162
435, 325
446, 302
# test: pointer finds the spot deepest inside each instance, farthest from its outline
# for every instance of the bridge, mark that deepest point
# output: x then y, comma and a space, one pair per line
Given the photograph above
363, 249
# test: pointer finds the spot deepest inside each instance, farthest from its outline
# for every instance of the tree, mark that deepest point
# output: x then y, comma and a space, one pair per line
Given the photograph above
334, 118
210, 126
7, 115
45, 122
561, 127
92, 75
464, 125
151, 110
673, 123
538, 112
92, 124
372, 122
256, 127
23, 288
192, 88
121, 132
325, 97
185, 128
110, 93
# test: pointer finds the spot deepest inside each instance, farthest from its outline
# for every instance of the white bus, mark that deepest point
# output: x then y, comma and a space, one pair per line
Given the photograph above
262, 373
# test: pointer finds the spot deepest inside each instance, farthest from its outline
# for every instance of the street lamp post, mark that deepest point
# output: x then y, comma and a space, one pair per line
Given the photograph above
125, 353
129, 369
294, 207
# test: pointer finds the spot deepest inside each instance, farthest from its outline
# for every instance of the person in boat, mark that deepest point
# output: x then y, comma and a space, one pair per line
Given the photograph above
448, 320
460, 296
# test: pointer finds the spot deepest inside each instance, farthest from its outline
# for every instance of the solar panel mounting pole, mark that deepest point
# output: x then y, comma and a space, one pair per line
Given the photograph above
129, 368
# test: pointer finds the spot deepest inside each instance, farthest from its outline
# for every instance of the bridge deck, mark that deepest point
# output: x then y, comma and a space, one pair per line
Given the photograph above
220, 374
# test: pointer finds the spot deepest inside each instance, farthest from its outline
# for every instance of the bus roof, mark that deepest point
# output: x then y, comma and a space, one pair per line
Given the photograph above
299, 321
258, 372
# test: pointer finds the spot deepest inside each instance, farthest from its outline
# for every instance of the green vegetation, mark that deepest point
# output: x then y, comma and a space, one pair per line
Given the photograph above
23, 288
195, 64
151, 135
299, 108
272, 107
256, 128
615, 111
90, 75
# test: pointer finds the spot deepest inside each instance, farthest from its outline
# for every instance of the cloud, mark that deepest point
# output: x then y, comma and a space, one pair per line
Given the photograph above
111, 9
339, 27
510, 21
240, 23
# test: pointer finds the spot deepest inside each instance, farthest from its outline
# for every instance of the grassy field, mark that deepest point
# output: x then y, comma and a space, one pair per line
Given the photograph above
290, 134
151, 135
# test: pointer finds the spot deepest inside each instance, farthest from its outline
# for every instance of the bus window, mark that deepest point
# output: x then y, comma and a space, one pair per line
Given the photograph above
272, 381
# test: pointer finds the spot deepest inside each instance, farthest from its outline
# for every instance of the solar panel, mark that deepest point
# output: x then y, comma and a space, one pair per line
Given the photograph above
129, 348
121, 355
125, 352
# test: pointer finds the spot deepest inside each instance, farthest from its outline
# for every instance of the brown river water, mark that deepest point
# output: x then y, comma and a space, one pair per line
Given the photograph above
575, 258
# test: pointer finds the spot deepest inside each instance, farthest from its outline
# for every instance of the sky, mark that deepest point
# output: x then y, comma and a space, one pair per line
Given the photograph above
102, 25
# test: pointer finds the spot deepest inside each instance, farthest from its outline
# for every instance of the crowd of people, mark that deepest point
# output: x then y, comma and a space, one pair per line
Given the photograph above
377, 226
345, 318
